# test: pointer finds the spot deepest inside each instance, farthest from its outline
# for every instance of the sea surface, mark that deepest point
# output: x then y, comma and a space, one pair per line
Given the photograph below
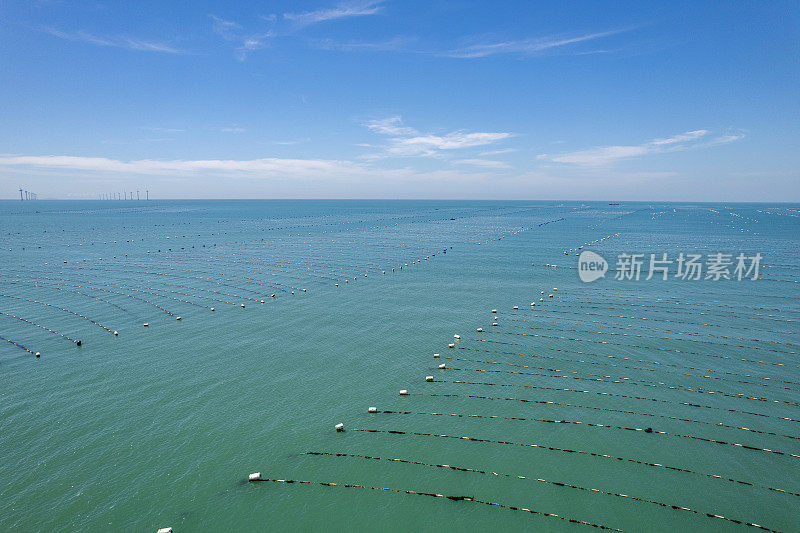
639, 405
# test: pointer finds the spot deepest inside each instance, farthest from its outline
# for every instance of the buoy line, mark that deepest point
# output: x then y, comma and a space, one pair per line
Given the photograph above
36, 284
726, 380
20, 346
567, 450
676, 300
695, 291
630, 382
660, 310
56, 280
638, 413
602, 393
67, 337
605, 356
539, 480
519, 324
436, 495
654, 319
648, 430
60, 309
598, 324
686, 352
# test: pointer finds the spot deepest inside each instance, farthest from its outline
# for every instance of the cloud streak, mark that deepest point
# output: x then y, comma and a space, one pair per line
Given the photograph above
342, 10
525, 47
607, 155
128, 43
409, 142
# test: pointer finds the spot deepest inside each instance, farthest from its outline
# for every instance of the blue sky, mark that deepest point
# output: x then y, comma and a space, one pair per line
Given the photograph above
401, 99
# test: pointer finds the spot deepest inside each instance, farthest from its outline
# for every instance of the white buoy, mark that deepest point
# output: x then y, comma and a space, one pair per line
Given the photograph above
441, 366
495, 324
533, 304
212, 308
428, 378
541, 292
456, 336
339, 427
541, 299
436, 356
516, 307
494, 311
177, 318
305, 290
115, 333
549, 295
372, 410
255, 476
451, 345
336, 284
480, 330
242, 305
555, 289
262, 301
145, 324
37, 354
403, 392
165, 529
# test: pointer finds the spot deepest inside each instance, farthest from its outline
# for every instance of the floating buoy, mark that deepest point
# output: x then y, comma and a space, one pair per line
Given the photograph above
555, 289
115, 333
451, 345
305, 290
339, 427
495, 324
177, 318
372, 410
480, 330
273, 295
78, 343
494, 311
442, 366
541, 299
456, 336
37, 354
533, 304
242, 305
541, 292
262, 301
428, 378
165, 529
549, 295
255, 476
336, 284
212, 308
145, 324
436, 356
403, 392
516, 307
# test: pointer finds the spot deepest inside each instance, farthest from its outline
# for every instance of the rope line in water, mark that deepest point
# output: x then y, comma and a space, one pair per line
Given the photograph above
67, 337
550, 402
593, 425
540, 480
621, 358
567, 450
616, 366
60, 309
630, 382
600, 393
18, 345
436, 495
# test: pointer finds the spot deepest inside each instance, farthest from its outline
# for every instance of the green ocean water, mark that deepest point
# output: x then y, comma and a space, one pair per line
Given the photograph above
161, 425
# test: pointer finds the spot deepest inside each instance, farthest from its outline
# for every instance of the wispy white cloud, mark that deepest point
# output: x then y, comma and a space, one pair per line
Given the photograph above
484, 163
605, 155
390, 126
354, 8
408, 142
396, 44
523, 47
119, 41
247, 41
232, 129
499, 152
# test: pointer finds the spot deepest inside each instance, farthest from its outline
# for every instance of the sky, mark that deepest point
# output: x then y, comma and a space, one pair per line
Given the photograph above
435, 99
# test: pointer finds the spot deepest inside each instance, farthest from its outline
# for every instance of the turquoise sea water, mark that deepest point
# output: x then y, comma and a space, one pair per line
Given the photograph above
161, 425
